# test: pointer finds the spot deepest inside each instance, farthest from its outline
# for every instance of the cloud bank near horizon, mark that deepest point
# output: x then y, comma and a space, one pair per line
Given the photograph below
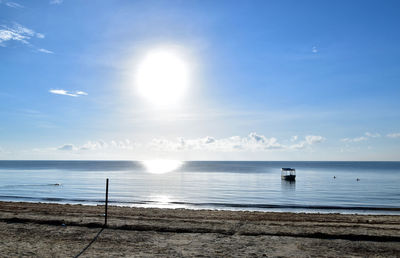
251, 143
253, 146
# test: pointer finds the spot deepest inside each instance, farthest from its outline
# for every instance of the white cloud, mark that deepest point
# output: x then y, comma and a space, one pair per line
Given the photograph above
67, 93
393, 135
314, 49
13, 5
357, 139
294, 138
365, 137
56, 1
17, 32
251, 143
81, 93
122, 144
208, 140
298, 146
308, 141
7, 34
62, 92
67, 147
45, 51
311, 139
372, 135
99, 145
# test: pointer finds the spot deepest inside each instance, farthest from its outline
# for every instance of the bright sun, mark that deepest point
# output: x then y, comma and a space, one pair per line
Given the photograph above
162, 77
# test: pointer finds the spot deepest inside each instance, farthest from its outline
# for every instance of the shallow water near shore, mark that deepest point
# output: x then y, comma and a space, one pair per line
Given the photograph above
208, 185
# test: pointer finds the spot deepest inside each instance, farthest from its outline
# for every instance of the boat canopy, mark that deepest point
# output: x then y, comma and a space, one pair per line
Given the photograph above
288, 169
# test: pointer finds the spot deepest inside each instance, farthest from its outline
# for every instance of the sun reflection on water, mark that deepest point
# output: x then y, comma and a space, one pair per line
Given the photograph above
161, 166
164, 201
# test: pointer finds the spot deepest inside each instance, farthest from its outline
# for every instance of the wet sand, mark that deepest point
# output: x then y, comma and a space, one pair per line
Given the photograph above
54, 230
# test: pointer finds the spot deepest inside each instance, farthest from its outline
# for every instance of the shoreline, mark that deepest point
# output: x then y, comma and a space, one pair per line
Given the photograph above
311, 209
208, 231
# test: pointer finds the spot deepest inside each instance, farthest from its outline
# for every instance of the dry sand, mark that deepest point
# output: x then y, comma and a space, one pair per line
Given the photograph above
54, 230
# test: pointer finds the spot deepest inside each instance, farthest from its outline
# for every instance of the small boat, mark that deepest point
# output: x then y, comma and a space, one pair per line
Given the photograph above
288, 174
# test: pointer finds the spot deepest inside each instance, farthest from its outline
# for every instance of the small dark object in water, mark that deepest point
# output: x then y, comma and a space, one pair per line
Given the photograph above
288, 174
334, 177
358, 179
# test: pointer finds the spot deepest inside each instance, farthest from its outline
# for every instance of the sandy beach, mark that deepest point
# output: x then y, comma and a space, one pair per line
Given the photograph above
54, 230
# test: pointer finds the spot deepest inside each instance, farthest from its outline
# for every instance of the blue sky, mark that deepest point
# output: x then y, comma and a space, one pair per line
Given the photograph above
269, 80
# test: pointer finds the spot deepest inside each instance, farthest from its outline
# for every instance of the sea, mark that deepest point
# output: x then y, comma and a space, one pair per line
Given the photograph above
324, 187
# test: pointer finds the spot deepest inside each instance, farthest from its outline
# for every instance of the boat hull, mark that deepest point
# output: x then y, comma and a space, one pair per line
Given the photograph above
289, 178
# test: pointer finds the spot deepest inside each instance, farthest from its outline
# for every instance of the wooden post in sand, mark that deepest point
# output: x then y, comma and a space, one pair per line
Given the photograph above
105, 214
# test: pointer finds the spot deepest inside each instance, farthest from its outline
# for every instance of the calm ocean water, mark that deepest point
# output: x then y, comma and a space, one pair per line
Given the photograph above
208, 185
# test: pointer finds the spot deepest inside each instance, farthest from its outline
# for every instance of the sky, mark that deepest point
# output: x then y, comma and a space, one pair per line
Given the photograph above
200, 80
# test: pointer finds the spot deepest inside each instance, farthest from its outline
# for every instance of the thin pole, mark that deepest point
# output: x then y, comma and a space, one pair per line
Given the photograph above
105, 218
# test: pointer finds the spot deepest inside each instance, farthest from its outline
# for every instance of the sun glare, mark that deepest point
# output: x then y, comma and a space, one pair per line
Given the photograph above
161, 166
162, 77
